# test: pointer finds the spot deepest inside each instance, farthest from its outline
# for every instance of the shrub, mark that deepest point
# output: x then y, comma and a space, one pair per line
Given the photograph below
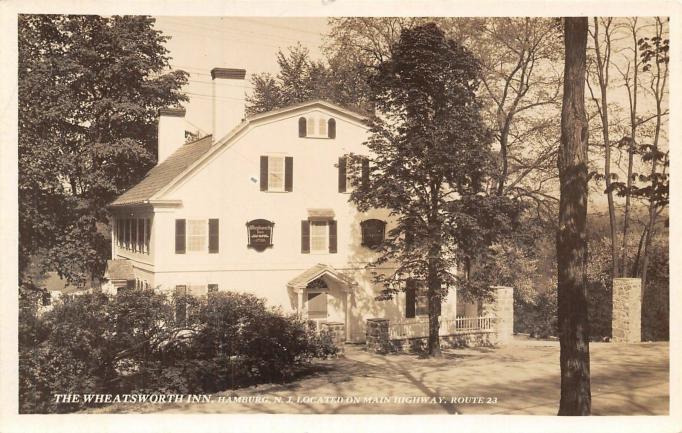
655, 296
537, 316
132, 342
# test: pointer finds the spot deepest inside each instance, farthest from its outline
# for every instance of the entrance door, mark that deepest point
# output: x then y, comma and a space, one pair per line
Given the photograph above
325, 303
317, 306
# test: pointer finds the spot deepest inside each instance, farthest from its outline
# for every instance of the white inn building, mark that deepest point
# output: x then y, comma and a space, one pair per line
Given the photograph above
261, 206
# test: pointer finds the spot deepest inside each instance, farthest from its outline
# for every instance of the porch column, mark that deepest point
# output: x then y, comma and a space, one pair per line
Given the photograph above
299, 293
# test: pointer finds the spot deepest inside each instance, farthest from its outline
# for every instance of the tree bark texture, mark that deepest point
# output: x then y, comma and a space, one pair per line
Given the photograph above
571, 234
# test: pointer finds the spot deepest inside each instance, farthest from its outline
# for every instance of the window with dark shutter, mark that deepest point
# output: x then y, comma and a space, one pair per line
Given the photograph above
332, 237
263, 173
331, 128
342, 174
421, 302
410, 297
119, 233
179, 236
213, 236
365, 173
373, 232
302, 127
288, 173
305, 236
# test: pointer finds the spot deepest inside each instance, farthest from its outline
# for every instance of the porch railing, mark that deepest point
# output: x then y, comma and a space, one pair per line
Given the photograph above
419, 327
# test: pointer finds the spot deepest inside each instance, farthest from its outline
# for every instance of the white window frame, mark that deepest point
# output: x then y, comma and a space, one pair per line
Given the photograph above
272, 173
189, 235
322, 127
317, 126
318, 223
310, 127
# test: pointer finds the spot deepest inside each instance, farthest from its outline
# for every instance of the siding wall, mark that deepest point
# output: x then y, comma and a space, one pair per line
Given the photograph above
228, 188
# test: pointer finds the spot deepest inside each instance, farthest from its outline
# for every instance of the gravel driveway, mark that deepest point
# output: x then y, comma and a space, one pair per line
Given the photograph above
521, 378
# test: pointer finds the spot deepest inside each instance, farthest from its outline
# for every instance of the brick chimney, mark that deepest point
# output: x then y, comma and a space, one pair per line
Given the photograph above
171, 132
228, 100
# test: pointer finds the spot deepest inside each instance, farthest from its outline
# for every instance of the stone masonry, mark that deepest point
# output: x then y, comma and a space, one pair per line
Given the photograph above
626, 325
337, 332
502, 309
377, 336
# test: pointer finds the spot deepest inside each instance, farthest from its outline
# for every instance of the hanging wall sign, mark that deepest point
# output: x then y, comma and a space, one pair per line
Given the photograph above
259, 234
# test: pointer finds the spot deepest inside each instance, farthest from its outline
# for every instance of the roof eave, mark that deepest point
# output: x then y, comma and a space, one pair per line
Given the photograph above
150, 202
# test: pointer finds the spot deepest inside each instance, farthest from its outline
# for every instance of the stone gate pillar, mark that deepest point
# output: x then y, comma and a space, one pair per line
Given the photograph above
377, 336
626, 324
502, 309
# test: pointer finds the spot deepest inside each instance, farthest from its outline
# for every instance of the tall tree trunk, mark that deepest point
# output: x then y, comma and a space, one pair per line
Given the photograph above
659, 89
626, 212
603, 76
635, 265
571, 242
433, 295
632, 97
433, 290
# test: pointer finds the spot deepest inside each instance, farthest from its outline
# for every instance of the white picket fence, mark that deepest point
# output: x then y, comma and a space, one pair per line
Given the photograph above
419, 327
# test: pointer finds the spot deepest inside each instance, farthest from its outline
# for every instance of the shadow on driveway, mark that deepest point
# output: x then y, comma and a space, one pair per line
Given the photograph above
522, 378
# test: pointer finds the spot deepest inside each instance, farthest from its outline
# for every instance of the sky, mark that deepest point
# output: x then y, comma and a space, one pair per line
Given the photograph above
199, 44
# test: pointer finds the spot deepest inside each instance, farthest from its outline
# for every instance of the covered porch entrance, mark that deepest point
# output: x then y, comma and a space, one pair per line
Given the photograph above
324, 296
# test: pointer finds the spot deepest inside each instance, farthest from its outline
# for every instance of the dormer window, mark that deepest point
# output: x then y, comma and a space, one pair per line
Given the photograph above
316, 127
322, 127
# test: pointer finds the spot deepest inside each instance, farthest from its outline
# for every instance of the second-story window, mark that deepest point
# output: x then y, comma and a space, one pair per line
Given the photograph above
319, 236
197, 235
276, 173
350, 167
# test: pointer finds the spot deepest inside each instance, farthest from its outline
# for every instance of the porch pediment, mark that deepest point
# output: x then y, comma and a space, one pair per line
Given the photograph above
301, 281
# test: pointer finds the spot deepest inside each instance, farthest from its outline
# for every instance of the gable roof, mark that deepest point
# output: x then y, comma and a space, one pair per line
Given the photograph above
317, 271
162, 174
162, 177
